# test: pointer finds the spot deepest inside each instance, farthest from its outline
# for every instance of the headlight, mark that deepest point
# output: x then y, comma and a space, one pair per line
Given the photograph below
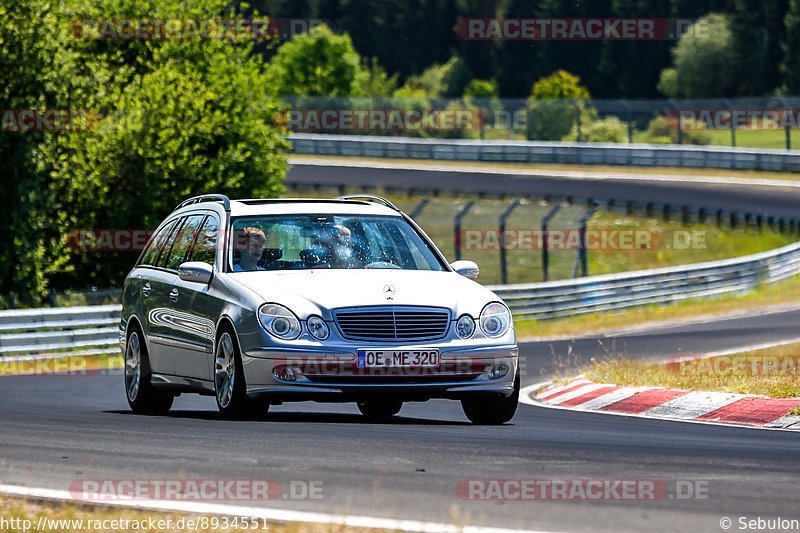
495, 319
279, 321
317, 327
465, 327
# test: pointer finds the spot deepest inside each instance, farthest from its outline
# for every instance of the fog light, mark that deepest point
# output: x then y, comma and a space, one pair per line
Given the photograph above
317, 327
284, 373
498, 371
465, 327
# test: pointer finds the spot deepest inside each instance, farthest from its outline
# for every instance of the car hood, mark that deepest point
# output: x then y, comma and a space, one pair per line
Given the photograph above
318, 291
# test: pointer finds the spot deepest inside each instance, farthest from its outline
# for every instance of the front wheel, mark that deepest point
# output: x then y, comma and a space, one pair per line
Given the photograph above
491, 411
143, 398
229, 384
379, 407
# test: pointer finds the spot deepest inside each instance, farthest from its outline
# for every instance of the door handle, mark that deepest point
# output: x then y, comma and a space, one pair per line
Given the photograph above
146, 290
173, 295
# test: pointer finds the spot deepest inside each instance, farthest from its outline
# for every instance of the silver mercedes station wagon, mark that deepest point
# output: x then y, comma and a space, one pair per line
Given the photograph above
260, 302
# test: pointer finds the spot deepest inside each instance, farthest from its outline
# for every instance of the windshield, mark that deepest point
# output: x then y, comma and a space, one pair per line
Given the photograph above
290, 242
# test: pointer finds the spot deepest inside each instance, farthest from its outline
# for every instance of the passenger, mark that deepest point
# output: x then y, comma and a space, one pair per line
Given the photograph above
249, 244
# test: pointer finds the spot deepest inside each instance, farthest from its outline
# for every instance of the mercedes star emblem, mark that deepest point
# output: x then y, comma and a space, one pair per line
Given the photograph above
388, 291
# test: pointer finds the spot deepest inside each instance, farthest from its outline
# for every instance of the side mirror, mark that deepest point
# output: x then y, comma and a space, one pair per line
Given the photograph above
468, 269
196, 271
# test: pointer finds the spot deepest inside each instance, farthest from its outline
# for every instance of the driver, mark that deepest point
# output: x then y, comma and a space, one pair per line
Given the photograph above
342, 252
334, 248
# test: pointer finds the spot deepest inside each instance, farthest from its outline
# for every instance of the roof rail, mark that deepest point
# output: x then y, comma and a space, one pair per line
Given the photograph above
373, 197
226, 202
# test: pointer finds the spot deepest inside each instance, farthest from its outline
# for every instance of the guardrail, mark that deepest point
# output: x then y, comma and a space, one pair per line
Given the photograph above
93, 330
669, 155
662, 285
59, 331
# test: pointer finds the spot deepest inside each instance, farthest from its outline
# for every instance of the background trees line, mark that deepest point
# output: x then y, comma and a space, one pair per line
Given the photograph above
179, 118
761, 46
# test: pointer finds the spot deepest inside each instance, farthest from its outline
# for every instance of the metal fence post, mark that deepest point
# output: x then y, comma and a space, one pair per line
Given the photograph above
787, 127
457, 227
582, 257
419, 207
502, 224
546, 240
733, 123
629, 115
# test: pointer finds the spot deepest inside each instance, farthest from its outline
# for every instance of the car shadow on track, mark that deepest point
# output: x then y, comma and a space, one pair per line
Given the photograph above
289, 417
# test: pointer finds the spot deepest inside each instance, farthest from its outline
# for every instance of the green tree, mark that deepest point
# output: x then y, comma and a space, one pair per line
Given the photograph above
481, 89
704, 61
447, 80
791, 49
378, 83
759, 30
319, 63
554, 105
177, 118
31, 34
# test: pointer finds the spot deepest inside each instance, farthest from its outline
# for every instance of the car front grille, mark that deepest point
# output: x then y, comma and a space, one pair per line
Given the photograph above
392, 324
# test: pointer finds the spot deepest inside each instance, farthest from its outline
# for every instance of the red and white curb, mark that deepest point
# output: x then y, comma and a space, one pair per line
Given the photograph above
748, 409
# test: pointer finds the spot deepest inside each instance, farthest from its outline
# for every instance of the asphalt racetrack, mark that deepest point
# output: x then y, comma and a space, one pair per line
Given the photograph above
56, 429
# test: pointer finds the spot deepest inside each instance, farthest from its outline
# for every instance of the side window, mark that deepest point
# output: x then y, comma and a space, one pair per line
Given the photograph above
151, 254
205, 245
169, 243
183, 241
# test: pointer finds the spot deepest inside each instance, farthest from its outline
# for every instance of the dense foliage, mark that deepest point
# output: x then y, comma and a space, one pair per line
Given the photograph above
174, 118
409, 37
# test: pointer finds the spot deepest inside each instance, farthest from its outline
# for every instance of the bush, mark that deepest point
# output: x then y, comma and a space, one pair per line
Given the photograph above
447, 80
608, 130
319, 63
554, 104
664, 130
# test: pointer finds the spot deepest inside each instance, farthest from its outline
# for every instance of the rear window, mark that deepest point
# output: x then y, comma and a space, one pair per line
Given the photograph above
150, 256
183, 241
205, 246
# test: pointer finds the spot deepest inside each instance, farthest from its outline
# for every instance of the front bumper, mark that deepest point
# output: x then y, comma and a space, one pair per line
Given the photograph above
332, 375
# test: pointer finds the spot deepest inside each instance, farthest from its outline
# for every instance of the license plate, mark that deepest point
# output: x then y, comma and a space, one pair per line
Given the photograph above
398, 358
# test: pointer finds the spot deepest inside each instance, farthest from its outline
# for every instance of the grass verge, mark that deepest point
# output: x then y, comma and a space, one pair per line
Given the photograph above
771, 372
88, 518
74, 365
663, 243
593, 323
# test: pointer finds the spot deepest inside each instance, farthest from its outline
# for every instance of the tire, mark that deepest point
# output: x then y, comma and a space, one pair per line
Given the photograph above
492, 411
230, 388
143, 398
379, 407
